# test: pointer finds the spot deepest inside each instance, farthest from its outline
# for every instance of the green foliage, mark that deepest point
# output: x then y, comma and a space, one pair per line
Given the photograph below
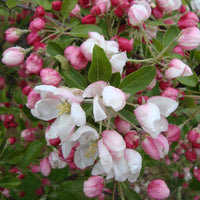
139, 80
100, 68
67, 7
11, 3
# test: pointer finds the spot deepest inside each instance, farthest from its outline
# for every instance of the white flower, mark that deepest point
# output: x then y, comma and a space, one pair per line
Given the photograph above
104, 95
151, 115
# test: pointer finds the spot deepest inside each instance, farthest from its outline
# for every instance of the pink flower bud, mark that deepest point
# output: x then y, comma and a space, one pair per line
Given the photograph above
177, 68
32, 98
28, 134
2, 82
56, 5
12, 140
50, 77
40, 12
55, 141
191, 155
171, 93
156, 148
88, 19
178, 49
158, 190
35, 168
121, 125
93, 187
196, 173
98, 9
34, 64
11, 34
76, 12
13, 56
138, 13
157, 13
33, 37
188, 20
192, 136
125, 44
45, 167
37, 25
190, 38
118, 12
196, 144
142, 99
85, 3
169, 5
39, 45
132, 140
173, 133
27, 89
39, 191
75, 57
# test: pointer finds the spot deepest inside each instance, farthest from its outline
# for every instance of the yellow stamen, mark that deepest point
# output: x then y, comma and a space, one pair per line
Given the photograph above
91, 150
64, 108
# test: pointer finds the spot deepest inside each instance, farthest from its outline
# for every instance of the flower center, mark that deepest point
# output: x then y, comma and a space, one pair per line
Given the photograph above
91, 151
64, 108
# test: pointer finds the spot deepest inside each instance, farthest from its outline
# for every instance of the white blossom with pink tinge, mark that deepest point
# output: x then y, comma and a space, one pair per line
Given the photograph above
177, 68
104, 96
115, 160
62, 104
151, 115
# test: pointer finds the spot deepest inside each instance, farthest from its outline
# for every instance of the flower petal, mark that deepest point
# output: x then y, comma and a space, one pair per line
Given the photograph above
78, 114
94, 89
46, 109
45, 90
114, 97
98, 109
166, 105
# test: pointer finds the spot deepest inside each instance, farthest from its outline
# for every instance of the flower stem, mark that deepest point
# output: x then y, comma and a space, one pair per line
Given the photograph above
140, 61
121, 192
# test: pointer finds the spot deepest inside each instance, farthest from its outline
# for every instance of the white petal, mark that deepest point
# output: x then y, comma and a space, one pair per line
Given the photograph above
112, 47
85, 134
166, 105
98, 109
81, 160
105, 157
67, 147
78, 114
97, 169
45, 90
94, 89
114, 97
46, 109
118, 62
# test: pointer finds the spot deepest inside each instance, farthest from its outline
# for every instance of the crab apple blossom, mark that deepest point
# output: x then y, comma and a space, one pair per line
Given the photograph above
75, 56
76, 12
177, 68
50, 77
37, 25
45, 167
93, 187
100, 92
158, 190
62, 104
132, 139
138, 13
189, 38
13, 56
189, 19
171, 93
28, 134
12, 34
169, 5
121, 125
173, 133
34, 63
195, 4
113, 155
55, 161
156, 148
151, 115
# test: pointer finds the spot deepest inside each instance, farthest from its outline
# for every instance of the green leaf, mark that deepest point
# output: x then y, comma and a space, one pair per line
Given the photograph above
194, 184
132, 195
191, 81
67, 7
11, 3
45, 3
9, 182
115, 79
100, 68
4, 11
15, 157
54, 49
197, 56
73, 78
64, 62
189, 102
138, 80
3, 110
3, 97
19, 97
31, 153
87, 107
170, 35
158, 44
59, 175
82, 30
